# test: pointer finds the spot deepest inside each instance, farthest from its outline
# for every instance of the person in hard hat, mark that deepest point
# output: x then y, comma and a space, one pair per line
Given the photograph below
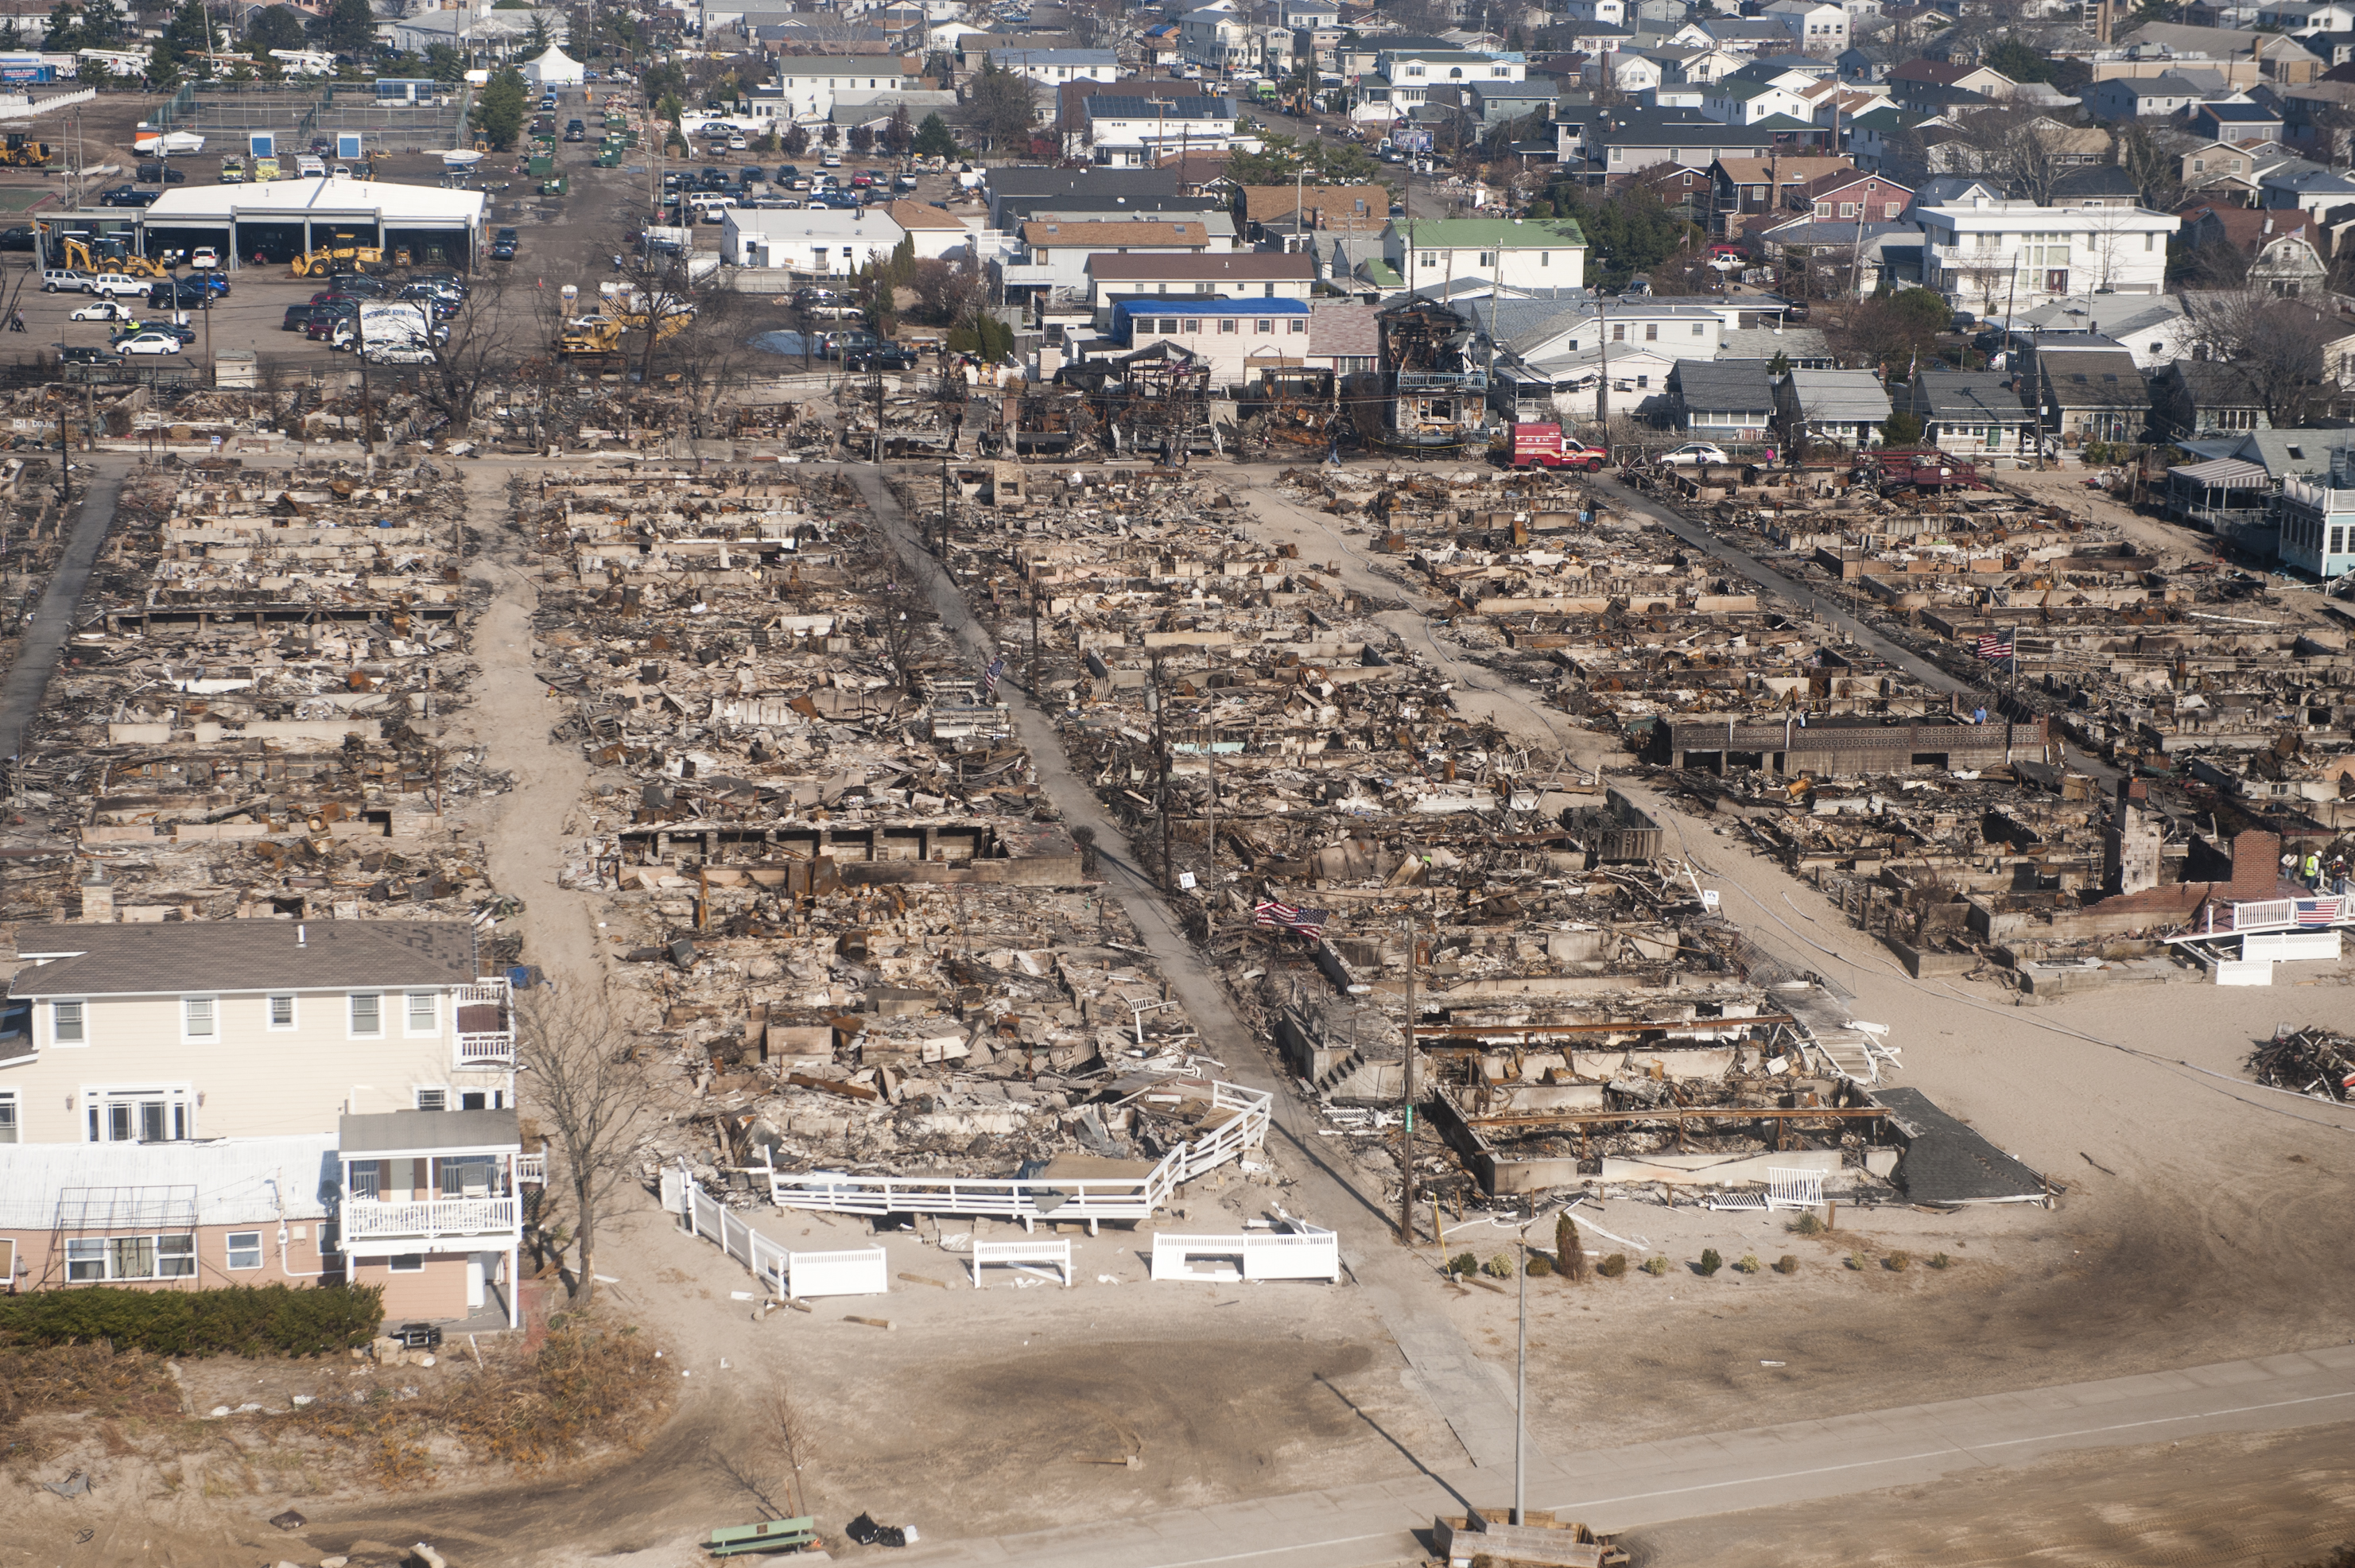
2312, 870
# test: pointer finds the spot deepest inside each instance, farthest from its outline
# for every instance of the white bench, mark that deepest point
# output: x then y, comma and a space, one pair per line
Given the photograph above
1046, 1254
865, 1272
1316, 1255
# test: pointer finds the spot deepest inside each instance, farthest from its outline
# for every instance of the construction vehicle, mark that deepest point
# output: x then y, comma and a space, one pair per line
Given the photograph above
22, 151
590, 335
325, 256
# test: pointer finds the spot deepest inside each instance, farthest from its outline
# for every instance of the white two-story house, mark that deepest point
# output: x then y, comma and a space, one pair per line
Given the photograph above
128, 1047
1994, 254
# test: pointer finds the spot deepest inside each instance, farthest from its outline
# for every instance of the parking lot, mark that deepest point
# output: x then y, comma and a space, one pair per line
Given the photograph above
565, 240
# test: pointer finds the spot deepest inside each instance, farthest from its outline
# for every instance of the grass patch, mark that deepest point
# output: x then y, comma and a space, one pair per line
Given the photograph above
1940, 1260
1612, 1266
107, 1384
588, 1387
1710, 1263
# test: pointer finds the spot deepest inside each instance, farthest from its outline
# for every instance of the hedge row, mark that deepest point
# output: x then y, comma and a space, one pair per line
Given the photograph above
236, 1320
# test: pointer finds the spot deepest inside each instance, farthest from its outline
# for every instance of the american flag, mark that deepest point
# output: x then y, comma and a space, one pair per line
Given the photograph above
989, 676
1994, 647
2319, 912
1308, 923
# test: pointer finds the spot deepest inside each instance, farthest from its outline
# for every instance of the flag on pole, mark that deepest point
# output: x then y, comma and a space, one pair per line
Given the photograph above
1274, 916
1994, 646
989, 676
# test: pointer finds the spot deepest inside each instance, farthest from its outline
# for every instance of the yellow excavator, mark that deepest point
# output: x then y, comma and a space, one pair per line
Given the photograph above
22, 151
586, 334
325, 256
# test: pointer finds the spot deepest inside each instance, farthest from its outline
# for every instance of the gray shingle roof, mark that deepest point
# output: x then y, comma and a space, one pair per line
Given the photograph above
1946, 1162
1967, 396
1729, 385
245, 955
2105, 379
396, 1132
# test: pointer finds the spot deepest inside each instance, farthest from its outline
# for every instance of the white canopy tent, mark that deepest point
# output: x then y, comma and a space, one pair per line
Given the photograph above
555, 69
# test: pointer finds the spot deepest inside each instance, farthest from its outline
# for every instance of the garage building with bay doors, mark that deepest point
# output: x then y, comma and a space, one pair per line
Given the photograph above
281, 219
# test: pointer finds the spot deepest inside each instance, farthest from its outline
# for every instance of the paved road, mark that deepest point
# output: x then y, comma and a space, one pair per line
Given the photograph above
1623, 1488
1401, 1287
36, 656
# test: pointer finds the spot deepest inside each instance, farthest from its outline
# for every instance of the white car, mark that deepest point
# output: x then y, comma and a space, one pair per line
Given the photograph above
106, 309
205, 259
149, 343
738, 145
1692, 454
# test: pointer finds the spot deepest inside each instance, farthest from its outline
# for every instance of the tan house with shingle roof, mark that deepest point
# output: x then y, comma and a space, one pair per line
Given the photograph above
1275, 207
1056, 252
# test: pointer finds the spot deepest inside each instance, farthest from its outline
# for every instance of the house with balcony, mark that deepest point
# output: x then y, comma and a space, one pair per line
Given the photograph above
2315, 518
431, 1208
1992, 254
167, 1034
173, 1099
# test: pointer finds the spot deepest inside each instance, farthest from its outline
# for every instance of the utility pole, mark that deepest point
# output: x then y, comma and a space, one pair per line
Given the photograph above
1161, 764
1034, 639
1406, 1107
944, 504
1521, 1381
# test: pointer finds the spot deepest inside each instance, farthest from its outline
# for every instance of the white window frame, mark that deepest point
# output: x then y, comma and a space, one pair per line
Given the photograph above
421, 1090
351, 1015
12, 1128
188, 1006
409, 1029
177, 1097
181, 1247
80, 1002
231, 1249
93, 1253
270, 1012
405, 1262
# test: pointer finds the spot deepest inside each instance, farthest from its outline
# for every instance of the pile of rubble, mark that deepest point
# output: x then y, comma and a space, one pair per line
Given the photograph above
824, 861
249, 721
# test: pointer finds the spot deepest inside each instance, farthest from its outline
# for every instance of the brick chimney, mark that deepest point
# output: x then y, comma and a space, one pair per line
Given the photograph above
2257, 866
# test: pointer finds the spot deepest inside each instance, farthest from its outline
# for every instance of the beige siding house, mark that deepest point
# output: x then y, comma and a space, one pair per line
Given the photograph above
249, 1028
190, 1104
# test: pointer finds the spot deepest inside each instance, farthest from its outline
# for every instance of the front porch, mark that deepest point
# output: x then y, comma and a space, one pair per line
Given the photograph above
445, 1183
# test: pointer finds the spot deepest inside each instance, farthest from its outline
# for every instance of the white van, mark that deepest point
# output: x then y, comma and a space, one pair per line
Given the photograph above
709, 209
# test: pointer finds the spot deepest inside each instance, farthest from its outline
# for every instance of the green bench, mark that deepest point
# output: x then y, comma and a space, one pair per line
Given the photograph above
775, 1535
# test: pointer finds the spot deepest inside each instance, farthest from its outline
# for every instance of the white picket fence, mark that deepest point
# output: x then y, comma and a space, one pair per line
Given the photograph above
862, 1272
1061, 1197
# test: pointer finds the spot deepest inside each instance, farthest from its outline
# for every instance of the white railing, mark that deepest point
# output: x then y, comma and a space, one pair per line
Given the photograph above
426, 1219
483, 992
493, 1047
531, 1170
708, 1218
1090, 1198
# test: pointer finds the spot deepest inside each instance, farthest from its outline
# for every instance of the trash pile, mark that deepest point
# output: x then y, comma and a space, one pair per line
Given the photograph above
2316, 1063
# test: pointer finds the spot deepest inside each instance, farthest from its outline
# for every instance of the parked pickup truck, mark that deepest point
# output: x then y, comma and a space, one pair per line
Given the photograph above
1544, 446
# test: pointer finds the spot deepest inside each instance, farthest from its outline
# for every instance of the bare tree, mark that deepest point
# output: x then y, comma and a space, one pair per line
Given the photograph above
2274, 344
2152, 155
583, 1083
486, 343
